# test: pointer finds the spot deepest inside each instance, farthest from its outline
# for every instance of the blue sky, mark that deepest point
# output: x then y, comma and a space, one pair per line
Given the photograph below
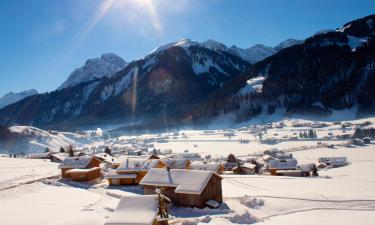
42, 41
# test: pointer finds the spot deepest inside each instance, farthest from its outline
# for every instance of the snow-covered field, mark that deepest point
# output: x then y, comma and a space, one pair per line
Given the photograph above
344, 195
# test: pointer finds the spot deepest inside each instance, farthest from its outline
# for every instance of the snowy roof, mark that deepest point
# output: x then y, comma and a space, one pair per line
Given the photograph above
130, 176
212, 166
249, 165
134, 210
138, 164
176, 163
76, 162
105, 157
41, 155
82, 170
187, 155
185, 181
60, 156
283, 164
123, 158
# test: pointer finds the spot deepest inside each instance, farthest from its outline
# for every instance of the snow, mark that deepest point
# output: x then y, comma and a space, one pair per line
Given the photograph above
107, 64
134, 210
76, 162
137, 164
16, 171
355, 42
12, 97
253, 85
186, 181
210, 166
343, 195
282, 164
39, 140
82, 170
253, 54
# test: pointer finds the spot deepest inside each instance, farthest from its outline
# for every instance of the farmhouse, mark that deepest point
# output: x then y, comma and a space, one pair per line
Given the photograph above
208, 166
131, 171
140, 210
281, 164
192, 188
80, 163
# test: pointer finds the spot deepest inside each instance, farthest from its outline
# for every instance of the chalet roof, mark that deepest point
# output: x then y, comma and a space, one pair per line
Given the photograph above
61, 156
185, 181
249, 166
212, 166
79, 162
129, 176
283, 164
138, 164
176, 163
134, 210
105, 157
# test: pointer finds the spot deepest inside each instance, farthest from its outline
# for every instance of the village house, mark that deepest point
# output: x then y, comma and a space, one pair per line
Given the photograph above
178, 163
334, 161
276, 165
191, 188
246, 169
80, 168
131, 171
208, 166
139, 210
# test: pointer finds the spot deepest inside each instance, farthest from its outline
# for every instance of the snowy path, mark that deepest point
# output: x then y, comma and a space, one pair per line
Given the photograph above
17, 171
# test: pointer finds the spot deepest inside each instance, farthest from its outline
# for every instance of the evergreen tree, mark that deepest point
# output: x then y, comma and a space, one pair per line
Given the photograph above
70, 151
62, 150
108, 151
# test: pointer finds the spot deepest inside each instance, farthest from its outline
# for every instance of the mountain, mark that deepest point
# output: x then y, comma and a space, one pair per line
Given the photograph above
156, 89
332, 70
107, 64
253, 54
11, 97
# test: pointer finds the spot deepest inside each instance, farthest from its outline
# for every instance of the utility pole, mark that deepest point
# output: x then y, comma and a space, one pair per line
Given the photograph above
163, 215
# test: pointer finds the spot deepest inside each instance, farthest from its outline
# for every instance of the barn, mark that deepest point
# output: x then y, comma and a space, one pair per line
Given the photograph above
192, 188
79, 162
131, 171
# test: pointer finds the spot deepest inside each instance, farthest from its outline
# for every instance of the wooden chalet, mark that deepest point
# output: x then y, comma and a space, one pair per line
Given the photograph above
80, 164
281, 164
132, 171
246, 168
192, 188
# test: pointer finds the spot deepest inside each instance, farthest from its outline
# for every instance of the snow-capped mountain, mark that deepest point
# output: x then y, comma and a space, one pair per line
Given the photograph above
332, 70
158, 88
253, 54
107, 64
12, 97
